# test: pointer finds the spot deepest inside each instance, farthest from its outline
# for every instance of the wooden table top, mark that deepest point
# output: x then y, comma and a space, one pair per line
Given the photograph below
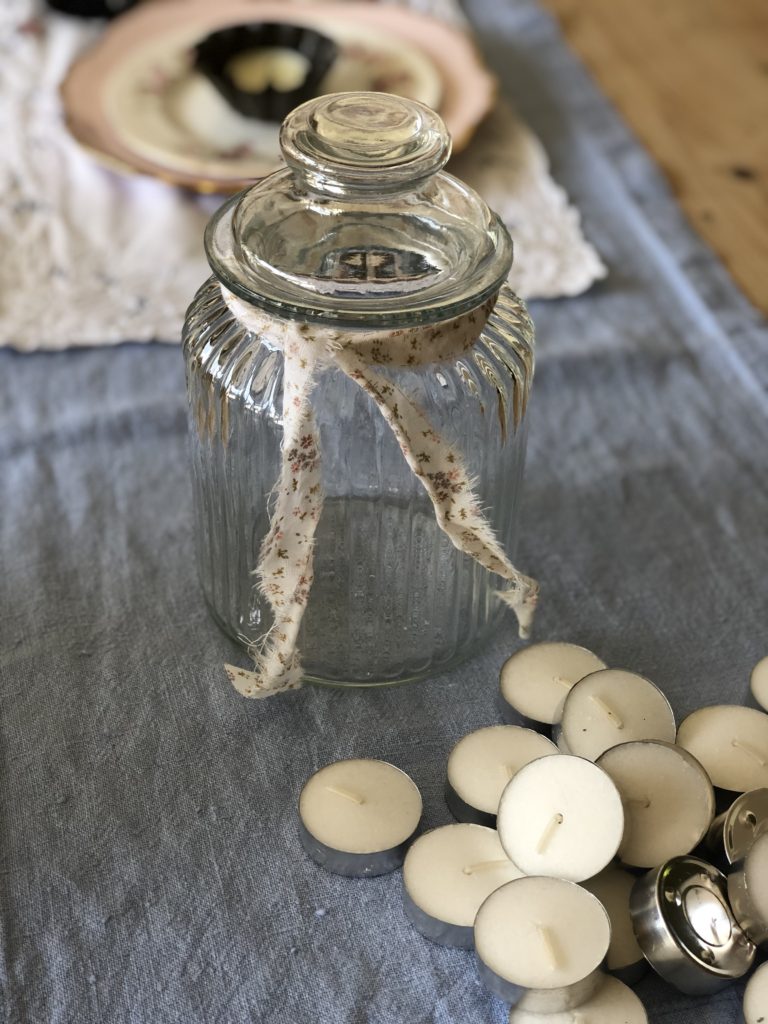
691, 78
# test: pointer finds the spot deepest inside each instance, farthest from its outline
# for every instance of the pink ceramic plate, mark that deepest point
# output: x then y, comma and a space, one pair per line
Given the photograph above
164, 111
441, 63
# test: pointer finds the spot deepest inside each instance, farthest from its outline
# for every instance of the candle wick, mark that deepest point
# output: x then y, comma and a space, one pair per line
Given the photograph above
548, 941
486, 865
751, 752
354, 797
548, 833
639, 801
608, 710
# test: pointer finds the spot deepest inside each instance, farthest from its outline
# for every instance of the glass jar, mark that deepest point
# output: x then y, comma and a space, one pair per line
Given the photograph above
362, 231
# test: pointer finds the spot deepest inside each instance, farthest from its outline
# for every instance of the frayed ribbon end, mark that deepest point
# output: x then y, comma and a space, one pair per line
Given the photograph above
523, 600
251, 684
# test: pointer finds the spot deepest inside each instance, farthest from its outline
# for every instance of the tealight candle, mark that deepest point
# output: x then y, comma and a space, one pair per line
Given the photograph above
733, 832
561, 816
447, 874
277, 67
758, 684
612, 1003
613, 887
357, 816
540, 943
535, 681
756, 997
613, 706
483, 762
686, 928
732, 744
668, 800
748, 892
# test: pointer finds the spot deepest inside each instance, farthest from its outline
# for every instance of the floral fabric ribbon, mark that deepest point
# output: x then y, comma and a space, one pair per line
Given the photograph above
285, 569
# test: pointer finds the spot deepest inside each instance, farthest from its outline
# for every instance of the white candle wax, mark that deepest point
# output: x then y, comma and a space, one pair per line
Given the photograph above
758, 683
756, 873
613, 887
756, 997
561, 816
482, 763
277, 67
748, 891
535, 680
448, 873
360, 807
613, 706
732, 744
668, 800
542, 935
613, 1003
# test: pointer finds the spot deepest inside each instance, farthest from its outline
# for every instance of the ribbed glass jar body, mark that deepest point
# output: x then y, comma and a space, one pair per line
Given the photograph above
392, 599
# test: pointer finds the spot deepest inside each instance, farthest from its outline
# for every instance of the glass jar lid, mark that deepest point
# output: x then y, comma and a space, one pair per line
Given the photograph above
363, 228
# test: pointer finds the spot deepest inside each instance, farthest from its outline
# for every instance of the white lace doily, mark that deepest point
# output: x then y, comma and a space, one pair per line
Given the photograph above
91, 257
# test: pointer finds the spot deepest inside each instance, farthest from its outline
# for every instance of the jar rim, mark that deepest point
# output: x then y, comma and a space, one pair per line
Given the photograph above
292, 303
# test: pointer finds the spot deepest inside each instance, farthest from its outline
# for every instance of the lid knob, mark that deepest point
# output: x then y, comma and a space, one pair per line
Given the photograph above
364, 141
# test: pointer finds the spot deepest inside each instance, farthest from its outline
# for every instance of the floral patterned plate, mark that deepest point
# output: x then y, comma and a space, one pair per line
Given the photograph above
135, 102
164, 111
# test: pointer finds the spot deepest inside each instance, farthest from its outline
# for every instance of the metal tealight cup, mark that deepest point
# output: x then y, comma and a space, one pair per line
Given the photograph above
686, 928
732, 833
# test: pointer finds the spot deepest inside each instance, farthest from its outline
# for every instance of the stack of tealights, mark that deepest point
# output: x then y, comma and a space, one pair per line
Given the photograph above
574, 854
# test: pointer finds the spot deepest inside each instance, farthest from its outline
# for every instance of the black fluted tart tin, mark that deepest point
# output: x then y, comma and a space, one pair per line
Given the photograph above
91, 8
212, 56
